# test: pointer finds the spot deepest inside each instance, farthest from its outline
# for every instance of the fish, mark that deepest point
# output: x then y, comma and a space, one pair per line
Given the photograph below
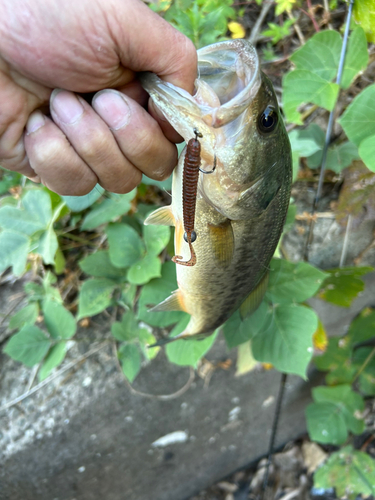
241, 206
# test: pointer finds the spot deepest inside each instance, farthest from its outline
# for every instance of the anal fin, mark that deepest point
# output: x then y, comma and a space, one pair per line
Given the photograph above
172, 303
162, 216
254, 299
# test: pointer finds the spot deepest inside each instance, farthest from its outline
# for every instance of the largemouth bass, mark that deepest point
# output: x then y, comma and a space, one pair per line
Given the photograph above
241, 206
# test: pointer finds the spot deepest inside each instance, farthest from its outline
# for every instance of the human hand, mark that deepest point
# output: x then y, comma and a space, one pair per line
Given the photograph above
83, 47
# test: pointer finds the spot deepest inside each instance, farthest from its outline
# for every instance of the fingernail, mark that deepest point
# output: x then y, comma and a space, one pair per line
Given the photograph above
113, 108
36, 121
66, 106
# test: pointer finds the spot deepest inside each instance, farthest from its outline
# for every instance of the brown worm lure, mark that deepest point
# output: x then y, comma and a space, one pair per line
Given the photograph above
192, 168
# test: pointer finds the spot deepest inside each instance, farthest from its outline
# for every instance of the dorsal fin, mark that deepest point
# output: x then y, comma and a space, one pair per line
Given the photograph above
162, 216
172, 303
254, 299
222, 242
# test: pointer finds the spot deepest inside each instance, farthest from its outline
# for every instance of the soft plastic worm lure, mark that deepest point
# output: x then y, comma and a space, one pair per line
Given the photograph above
189, 194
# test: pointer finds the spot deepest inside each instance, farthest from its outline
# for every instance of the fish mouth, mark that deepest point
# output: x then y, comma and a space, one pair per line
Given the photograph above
228, 80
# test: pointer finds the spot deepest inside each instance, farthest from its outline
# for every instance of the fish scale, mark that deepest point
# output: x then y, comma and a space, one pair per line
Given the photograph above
240, 207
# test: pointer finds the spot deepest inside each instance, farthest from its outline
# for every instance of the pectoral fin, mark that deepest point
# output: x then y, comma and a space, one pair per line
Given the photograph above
161, 217
222, 242
172, 303
254, 299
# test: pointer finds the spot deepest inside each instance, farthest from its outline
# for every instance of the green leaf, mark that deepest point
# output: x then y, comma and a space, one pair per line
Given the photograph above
144, 270
290, 282
14, 248
156, 238
108, 210
38, 203
338, 157
145, 339
320, 55
126, 329
362, 328
19, 220
349, 471
348, 403
237, 332
301, 86
79, 203
187, 352
156, 291
364, 13
343, 285
130, 360
307, 141
337, 355
54, 358
59, 262
47, 246
356, 58
367, 152
358, 121
325, 424
29, 345
25, 316
99, 265
285, 340
245, 359
125, 245
59, 321
95, 296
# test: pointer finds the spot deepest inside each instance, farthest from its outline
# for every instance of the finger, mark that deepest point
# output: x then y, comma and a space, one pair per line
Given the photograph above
54, 160
93, 142
138, 135
169, 132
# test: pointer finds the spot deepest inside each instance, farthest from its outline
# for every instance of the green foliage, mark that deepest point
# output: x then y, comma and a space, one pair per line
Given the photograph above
364, 13
29, 345
349, 471
334, 413
108, 209
95, 296
277, 32
343, 285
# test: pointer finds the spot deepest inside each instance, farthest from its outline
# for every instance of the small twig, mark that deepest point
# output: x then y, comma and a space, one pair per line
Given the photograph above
328, 14
263, 13
53, 377
312, 17
345, 244
297, 29
32, 378
160, 397
365, 363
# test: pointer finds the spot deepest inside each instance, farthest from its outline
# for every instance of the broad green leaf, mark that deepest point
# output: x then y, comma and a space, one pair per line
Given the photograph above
320, 54
38, 203
29, 345
350, 472
25, 316
47, 246
95, 296
156, 238
301, 86
155, 292
367, 376
187, 352
145, 339
79, 203
356, 58
126, 329
285, 340
34, 291
51, 292
108, 210
348, 403
125, 245
325, 424
17, 219
54, 358
237, 332
14, 248
307, 141
364, 13
367, 152
338, 157
99, 265
130, 360
336, 355
343, 285
358, 121
59, 262
59, 321
144, 270
290, 282
362, 328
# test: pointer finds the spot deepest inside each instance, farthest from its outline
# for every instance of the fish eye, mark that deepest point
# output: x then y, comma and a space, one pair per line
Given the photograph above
268, 120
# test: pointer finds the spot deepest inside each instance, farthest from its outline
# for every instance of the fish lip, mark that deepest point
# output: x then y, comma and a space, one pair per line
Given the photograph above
178, 105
